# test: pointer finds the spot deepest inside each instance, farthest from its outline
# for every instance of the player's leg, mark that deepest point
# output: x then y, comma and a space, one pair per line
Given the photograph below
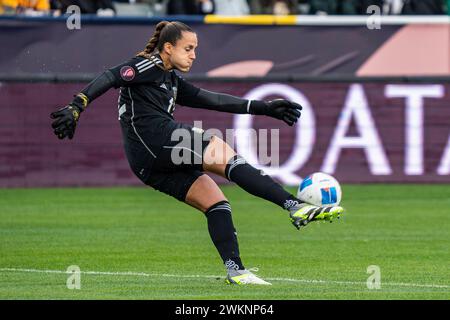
206, 196
204, 193
186, 184
221, 159
201, 192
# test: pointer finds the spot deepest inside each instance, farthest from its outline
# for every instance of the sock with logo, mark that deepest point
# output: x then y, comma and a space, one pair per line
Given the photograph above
223, 234
257, 183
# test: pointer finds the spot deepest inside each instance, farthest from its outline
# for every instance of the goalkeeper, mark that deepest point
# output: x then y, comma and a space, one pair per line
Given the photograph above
149, 89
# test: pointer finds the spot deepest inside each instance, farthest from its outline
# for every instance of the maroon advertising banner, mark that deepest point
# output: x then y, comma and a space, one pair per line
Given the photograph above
50, 47
360, 133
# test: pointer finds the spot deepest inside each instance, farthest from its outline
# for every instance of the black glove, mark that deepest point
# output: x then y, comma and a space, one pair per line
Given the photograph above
67, 117
66, 121
280, 109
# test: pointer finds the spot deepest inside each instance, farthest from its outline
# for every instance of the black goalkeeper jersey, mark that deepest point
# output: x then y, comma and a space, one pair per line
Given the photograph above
148, 94
147, 98
148, 91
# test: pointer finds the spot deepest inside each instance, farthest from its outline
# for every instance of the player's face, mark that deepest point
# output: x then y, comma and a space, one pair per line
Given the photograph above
183, 53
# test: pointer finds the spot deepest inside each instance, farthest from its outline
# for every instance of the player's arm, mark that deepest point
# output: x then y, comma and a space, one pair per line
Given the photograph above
125, 74
67, 117
194, 97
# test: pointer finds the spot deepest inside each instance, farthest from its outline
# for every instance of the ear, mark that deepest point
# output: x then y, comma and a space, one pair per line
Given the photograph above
168, 47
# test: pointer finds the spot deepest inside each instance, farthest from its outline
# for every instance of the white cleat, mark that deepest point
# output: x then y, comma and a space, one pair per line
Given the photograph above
306, 213
243, 277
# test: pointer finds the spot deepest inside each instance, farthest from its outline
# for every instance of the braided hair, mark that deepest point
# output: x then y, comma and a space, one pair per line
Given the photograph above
165, 31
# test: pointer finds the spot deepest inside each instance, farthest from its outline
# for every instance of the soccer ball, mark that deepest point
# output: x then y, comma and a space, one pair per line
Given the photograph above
320, 189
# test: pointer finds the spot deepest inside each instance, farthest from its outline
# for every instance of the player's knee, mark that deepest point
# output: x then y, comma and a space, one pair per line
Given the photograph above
217, 155
204, 193
234, 163
223, 205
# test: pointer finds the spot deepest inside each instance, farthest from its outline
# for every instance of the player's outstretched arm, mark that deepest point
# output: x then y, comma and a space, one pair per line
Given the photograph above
134, 71
281, 109
66, 118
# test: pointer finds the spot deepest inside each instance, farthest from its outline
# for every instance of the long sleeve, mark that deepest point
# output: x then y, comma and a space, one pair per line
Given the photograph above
131, 72
194, 97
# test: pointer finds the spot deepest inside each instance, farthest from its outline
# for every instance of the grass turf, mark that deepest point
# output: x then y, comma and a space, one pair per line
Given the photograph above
403, 229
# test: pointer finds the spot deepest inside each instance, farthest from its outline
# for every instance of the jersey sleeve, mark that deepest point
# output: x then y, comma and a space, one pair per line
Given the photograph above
187, 93
191, 96
136, 71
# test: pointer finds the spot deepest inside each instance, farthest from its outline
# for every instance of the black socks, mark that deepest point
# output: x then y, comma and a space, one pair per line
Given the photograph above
223, 234
257, 183
220, 223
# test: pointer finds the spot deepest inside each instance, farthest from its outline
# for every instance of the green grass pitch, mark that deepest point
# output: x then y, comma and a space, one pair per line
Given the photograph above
136, 243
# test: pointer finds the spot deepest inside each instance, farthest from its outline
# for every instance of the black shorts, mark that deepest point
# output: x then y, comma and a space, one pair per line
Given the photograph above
170, 166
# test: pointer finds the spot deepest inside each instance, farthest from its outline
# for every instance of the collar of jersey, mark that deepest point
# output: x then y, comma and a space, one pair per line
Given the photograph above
156, 59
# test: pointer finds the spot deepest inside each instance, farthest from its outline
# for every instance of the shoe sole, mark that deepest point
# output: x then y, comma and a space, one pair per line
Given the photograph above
335, 213
227, 281
329, 216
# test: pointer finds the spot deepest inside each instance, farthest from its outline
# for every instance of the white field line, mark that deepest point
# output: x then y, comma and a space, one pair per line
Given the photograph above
143, 274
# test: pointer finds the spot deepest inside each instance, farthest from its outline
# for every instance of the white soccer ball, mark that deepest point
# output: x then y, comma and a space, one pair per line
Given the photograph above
320, 189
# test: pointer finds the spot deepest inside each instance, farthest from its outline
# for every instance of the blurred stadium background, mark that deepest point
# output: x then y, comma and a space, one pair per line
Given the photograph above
375, 90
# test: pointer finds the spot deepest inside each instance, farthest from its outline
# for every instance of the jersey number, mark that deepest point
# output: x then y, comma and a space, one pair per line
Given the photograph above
171, 107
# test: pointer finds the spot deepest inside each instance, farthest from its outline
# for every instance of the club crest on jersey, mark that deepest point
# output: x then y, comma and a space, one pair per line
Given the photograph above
127, 73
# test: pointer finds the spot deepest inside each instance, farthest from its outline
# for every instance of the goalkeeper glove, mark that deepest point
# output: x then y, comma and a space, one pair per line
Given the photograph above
67, 117
280, 109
